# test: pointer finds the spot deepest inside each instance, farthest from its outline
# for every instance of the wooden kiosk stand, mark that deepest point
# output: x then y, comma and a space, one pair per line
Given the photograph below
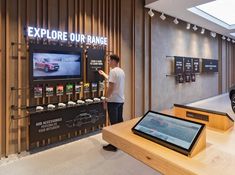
217, 158
157, 156
212, 119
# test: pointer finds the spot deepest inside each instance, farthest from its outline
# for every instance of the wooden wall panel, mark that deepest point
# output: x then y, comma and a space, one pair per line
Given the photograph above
53, 19
126, 53
139, 56
1, 73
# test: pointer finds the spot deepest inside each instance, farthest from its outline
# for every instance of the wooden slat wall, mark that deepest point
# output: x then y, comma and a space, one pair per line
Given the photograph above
119, 20
129, 30
1, 73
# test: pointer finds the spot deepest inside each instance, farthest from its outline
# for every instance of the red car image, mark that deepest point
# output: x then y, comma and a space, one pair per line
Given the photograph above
46, 65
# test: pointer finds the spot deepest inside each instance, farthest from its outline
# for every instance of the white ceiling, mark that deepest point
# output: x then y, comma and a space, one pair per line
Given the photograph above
178, 8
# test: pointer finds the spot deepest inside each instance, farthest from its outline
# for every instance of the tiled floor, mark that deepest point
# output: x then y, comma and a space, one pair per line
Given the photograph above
82, 157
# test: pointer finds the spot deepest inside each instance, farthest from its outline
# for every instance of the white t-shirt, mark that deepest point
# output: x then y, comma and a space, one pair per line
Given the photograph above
117, 76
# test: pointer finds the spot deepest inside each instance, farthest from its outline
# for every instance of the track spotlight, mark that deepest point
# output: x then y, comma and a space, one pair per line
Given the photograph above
223, 37
150, 12
194, 27
188, 26
228, 39
163, 17
176, 21
213, 34
202, 31
233, 41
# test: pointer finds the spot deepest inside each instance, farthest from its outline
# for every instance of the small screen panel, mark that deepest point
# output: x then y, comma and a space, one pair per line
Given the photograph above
168, 130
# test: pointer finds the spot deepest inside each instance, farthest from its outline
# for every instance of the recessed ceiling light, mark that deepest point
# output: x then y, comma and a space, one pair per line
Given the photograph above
233, 34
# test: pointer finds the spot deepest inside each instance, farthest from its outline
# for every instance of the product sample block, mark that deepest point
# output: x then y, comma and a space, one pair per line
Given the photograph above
174, 133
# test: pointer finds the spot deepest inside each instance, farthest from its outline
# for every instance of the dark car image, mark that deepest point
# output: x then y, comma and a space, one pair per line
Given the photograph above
46, 65
232, 97
82, 119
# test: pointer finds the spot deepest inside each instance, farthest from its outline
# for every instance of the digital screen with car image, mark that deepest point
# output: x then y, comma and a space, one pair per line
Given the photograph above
177, 132
56, 64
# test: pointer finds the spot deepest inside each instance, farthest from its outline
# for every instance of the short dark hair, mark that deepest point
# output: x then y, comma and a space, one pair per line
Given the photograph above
115, 58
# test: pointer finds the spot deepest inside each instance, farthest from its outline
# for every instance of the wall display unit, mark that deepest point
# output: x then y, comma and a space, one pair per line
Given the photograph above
78, 88
187, 65
60, 90
209, 65
95, 62
178, 65
46, 124
93, 87
86, 88
49, 91
54, 63
196, 65
193, 77
174, 133
38, 92
69, 89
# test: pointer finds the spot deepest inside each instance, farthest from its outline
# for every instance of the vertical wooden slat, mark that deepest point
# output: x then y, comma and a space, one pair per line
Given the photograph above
75, 16
7, 78
27, 80
119, 30
19, 76
150, 64
98, 18
44, 14
1, 78
84, 17
80, 19
133, 61
92, 17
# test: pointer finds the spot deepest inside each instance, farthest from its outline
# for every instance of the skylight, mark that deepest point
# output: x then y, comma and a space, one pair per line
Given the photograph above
220, 9
233, 34
220, 12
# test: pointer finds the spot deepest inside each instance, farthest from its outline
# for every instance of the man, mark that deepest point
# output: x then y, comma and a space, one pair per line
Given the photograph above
115, 94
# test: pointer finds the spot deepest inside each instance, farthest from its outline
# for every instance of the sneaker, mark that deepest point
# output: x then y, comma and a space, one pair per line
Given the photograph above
110, 147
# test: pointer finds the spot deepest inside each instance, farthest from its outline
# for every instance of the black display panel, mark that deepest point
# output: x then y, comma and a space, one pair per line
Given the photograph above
174, 133
187, 65
95, 62
196, 65
178, 65
52, 123
50, 62
209, 65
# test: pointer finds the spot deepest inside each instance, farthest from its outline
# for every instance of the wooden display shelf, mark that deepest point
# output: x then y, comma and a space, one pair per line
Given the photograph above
213, 119
218, 157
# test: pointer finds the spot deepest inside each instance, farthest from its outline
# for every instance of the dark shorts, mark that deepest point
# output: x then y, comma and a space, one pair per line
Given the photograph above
115, 111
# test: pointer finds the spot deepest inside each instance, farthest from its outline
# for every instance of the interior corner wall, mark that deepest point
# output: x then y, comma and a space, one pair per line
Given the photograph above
170, 40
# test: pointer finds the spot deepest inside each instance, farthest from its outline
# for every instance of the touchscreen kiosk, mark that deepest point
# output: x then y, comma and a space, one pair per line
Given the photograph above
174, 133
